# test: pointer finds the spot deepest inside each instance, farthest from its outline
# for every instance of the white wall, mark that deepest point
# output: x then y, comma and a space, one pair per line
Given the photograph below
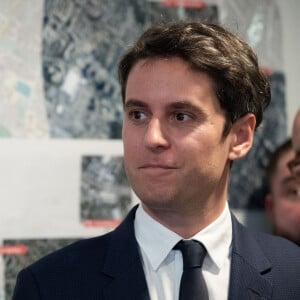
290, 15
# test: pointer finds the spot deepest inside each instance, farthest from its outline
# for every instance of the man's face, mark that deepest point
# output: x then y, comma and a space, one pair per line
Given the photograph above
284, 201
295, 165
175, 156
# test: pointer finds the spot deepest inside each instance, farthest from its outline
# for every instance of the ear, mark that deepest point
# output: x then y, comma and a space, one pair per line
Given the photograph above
242, 133
269, 204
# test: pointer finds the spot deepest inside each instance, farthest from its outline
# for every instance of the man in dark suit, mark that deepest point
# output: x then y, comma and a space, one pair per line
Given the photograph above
193, 95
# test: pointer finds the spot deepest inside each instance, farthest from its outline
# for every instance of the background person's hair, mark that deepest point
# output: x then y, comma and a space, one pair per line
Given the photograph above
241, 86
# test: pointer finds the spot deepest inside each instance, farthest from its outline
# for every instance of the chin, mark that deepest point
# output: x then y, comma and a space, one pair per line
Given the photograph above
157, 201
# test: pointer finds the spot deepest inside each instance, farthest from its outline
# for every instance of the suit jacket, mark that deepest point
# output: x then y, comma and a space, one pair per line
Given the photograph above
109, 268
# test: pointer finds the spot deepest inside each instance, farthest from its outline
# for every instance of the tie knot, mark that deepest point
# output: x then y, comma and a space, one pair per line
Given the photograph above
193, 253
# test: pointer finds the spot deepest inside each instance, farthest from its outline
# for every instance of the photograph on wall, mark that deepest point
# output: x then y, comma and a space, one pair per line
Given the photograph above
22, 113
82, 41
105, 195
17, 254
162, 11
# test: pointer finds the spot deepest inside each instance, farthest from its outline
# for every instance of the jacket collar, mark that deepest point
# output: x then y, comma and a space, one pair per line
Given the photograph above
248, 267
123, 264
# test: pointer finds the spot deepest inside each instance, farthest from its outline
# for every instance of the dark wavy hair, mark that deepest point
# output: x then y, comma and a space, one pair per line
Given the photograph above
240, 85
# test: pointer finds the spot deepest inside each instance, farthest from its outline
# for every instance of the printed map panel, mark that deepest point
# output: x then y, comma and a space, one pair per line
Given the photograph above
82, 44
105, 191
22, 105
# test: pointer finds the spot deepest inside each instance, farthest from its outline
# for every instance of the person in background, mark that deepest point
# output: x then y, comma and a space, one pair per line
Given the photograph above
282, 201
295, 164
193, 95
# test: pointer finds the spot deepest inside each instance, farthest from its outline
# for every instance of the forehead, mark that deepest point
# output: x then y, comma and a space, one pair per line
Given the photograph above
163, 81
282, 173
172, 73
159, 64
282, 164
175, 63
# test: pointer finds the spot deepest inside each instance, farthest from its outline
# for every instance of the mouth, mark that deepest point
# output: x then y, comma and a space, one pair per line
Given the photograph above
157, 171
157, 166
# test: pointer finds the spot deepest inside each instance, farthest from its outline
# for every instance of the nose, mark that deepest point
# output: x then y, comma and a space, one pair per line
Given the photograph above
156, 136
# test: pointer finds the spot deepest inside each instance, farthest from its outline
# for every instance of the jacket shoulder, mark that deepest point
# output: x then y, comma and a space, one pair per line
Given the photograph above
282, 255
267, 263
278, 247
65, 273
81, 253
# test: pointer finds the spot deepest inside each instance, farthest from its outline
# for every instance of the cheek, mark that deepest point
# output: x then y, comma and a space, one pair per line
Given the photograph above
294, 211
129, 139
288, 210
207, 161
127, 151
205, 143
132, 152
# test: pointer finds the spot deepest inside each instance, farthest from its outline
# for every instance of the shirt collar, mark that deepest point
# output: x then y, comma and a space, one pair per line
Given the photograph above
216, 238
157, 241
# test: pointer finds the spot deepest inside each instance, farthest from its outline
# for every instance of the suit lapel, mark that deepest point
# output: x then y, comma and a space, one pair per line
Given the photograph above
248, 266
123, 265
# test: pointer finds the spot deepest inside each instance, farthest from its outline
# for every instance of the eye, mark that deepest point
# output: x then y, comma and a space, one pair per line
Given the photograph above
293, 193
182, 116
137, 115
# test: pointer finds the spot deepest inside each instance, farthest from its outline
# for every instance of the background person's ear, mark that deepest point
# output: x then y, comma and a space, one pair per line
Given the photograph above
269, 205
242, 133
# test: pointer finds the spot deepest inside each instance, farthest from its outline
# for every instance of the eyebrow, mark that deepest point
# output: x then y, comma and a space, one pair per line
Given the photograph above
184, 105
135, 103
173, 105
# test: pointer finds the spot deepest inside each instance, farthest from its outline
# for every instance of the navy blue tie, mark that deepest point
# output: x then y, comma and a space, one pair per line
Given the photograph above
192, 284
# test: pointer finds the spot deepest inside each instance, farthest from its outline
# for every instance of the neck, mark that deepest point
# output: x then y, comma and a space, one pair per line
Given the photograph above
186, 223
188, 216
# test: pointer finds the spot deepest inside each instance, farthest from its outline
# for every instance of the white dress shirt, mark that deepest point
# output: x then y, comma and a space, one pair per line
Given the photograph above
163, 266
